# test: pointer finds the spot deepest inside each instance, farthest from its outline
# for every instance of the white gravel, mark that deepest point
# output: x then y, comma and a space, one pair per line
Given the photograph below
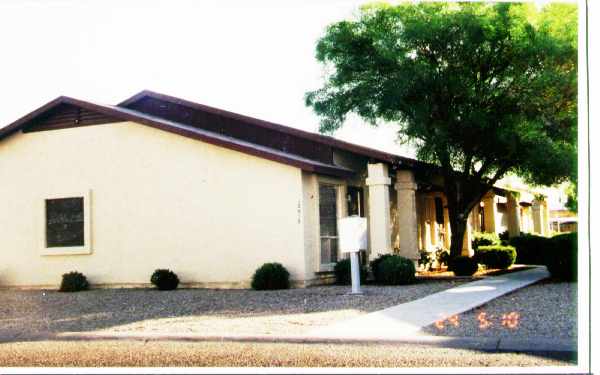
545, 309
208, 311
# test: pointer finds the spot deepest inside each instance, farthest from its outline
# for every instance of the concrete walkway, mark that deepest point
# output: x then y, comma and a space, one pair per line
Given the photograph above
407, 319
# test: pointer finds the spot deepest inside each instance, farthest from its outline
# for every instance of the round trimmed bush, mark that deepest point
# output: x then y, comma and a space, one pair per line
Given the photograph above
271, 276
496, 256
561, 259
463, 266
164, 279
73, 282
343, 272
396, 270
374, 265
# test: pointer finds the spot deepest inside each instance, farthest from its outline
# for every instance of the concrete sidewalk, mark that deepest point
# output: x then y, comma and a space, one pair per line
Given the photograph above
407, 319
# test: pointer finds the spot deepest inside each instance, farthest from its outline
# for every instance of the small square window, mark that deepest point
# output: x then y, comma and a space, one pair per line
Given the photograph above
65, 222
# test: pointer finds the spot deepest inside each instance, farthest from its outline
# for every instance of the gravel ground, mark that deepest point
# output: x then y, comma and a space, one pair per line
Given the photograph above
208, 311
228, 354
545, 309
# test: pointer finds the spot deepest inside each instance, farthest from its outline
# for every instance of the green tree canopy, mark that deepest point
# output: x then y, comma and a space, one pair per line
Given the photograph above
479, 89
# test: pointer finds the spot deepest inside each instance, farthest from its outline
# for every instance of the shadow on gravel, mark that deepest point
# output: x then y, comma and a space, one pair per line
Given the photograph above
50, 311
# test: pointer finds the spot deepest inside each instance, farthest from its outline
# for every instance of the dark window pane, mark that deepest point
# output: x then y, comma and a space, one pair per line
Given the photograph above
328, 223
64, 222
329, 250
325, 251
328, 210
333, 246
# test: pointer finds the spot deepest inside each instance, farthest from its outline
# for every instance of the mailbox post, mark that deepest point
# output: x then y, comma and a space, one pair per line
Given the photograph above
353, 238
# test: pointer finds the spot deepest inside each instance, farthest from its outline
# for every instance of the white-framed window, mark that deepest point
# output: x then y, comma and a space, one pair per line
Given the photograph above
328, 230
65, 224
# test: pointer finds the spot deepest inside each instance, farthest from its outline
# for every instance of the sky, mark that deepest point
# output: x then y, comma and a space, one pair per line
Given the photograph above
254, 57
251, 57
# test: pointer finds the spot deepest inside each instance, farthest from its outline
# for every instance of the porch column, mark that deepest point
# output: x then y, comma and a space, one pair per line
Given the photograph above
379, 209
432, 221
447, 230
537, 211
427, 234
545, 219
475, 219
467, 250
490, 212
407, 214
514, 220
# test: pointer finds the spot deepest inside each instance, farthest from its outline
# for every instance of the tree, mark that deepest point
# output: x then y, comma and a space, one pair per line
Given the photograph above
479, 90
571, 192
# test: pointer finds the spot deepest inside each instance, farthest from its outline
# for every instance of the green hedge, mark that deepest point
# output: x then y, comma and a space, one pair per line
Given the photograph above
343, 272
561, 258
463, 266
496, 256
530, 248
484, 239
374, 265
393, 270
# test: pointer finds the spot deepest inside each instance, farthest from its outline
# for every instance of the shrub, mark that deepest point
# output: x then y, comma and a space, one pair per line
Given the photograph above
425, 259
271, 276
484, 239
496, 256
463, 266
374, 265
442, 256
561, 259
74, 282
530, 248
343, 272
504, 237
396, 270
164, 279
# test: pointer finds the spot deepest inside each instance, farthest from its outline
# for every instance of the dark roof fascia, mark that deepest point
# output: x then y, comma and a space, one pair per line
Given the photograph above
18, 124
395, 160
184, 130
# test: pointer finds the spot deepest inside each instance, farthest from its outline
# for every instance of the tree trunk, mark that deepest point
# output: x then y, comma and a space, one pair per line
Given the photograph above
458, 228
462, 195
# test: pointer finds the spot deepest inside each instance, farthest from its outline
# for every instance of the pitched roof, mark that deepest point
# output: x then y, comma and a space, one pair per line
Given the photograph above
125, 114
257, 124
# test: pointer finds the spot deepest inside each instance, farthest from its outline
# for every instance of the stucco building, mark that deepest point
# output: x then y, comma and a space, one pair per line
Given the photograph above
159, 182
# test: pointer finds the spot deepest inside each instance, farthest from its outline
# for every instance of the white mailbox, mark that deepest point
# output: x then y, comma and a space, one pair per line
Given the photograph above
353, 234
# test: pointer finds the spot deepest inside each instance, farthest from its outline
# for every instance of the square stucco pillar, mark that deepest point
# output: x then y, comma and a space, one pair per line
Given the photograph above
545, 219
513, 212
425, 224
407, 214
490, 213
447, 230
467, 249
475, 223
537, 212
378, 181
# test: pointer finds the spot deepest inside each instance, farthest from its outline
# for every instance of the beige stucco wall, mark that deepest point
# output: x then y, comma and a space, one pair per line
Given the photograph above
158, 200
